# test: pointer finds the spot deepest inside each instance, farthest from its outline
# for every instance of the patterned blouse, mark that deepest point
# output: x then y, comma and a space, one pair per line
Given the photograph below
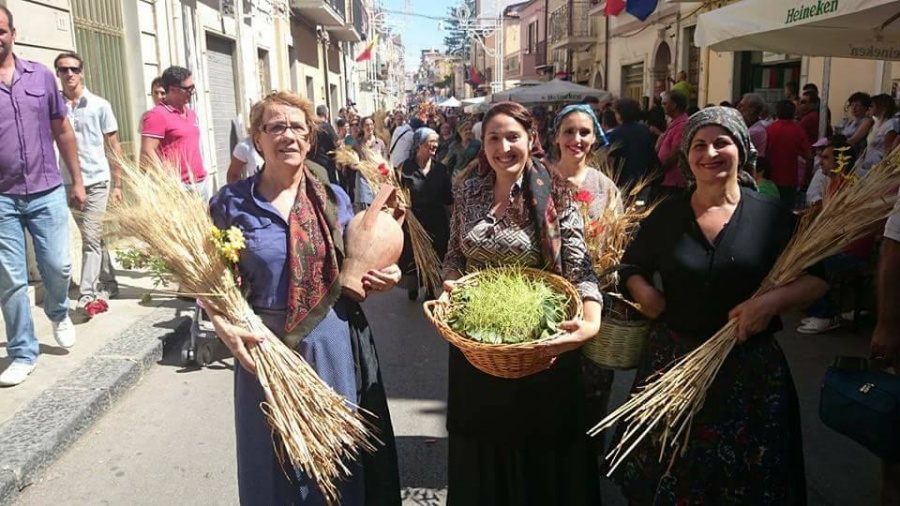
478, 239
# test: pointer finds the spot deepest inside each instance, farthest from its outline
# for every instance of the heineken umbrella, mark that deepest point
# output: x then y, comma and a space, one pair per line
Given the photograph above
843, 28
555, 91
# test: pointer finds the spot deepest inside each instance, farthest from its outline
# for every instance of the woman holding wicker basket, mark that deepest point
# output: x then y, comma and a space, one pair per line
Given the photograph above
712, 249
292, 221
520, 441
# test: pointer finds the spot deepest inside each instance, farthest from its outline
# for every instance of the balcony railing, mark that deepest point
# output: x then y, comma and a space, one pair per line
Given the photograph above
512, 64
359, 20
338, 6
570, 21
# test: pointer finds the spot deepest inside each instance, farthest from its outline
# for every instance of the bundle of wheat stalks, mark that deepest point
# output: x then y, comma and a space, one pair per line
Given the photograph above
314, 428
608, 235
377, 172
665, 407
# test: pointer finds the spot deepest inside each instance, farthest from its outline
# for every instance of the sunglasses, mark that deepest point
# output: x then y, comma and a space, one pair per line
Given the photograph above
187, 89
66, 70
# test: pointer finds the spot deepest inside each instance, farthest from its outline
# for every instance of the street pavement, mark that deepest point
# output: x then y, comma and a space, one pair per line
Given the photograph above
170, 439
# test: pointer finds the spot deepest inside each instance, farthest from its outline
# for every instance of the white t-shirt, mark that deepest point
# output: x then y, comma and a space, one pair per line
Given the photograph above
892, 228
401, 144
246, 152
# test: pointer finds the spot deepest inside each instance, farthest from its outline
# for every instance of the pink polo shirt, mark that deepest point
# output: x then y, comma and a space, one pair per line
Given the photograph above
670, 143
179, 139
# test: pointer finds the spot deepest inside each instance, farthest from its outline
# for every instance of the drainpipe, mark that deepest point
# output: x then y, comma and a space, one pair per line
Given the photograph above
324, 39
176, 34
606, 60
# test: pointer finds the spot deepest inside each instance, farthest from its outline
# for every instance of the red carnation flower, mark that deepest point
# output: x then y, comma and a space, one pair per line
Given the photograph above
383, 168
583, 196
96, 307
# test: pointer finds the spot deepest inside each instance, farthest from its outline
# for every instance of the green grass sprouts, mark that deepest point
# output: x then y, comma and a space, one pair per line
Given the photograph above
506, 306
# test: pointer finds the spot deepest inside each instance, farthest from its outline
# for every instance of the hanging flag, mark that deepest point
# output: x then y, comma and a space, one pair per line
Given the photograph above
369, 51
614, 7
641, 9
473, 75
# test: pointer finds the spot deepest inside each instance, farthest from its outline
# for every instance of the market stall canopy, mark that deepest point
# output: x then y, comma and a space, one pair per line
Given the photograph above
473, 100
450, 102
555, 91
843, 28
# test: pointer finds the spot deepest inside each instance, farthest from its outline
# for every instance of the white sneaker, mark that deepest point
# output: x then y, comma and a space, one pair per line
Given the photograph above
64, 332
819, 325
15, 374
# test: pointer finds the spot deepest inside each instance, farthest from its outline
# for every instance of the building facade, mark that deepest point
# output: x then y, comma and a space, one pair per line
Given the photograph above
644, 56
237, 50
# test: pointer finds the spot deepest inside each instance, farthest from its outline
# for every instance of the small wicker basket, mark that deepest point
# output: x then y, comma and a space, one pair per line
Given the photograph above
503, 360
623, 333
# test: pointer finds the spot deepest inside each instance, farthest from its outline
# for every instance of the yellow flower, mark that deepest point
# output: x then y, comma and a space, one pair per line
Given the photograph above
229, 243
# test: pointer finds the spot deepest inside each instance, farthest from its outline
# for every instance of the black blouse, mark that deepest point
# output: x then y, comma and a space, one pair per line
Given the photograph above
703, 281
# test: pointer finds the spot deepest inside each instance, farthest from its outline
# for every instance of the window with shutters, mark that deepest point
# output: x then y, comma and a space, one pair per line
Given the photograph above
633, 81
99, 39
262, 70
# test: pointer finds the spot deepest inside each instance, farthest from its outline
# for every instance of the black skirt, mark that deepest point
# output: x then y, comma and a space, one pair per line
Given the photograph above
519, 442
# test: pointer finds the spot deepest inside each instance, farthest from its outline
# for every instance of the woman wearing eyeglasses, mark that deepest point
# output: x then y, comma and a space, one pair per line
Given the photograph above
292, 220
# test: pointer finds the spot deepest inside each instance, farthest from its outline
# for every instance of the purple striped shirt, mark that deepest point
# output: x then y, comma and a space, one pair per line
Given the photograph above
27, 159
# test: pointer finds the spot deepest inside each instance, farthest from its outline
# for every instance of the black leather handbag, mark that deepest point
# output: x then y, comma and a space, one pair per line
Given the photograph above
863, 403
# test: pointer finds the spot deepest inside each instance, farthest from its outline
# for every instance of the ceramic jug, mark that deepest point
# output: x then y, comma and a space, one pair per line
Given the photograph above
373, 240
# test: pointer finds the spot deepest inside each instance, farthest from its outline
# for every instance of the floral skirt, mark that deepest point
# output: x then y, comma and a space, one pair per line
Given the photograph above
745, 444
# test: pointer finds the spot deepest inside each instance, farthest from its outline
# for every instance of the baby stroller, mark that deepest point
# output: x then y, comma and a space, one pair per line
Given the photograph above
204, 346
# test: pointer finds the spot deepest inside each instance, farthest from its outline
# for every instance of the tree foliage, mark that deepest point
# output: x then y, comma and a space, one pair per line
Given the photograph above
456, 40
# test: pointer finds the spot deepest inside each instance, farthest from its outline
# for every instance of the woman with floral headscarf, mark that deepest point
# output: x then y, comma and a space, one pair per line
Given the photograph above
522, 441
712, 248
428, 182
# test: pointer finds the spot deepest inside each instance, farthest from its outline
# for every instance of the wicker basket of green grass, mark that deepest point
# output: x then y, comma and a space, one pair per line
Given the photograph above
498, 317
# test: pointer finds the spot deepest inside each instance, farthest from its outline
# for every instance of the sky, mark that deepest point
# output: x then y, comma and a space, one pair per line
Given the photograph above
418, 33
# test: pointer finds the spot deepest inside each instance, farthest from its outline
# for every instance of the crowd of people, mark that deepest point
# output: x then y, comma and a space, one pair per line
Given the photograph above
502, 187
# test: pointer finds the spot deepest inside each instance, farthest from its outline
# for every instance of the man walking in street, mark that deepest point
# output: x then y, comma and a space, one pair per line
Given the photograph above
170, 131
96, 133
669, 144
786, 142
32, 196
324, 121
752, 107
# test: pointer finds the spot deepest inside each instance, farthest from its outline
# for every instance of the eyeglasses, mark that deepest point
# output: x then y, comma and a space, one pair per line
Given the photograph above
299, 129
187, 89
66, 70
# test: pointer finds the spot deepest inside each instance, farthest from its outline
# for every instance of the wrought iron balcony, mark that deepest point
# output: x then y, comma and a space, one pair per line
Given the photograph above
353, 29
323, 12
570, 25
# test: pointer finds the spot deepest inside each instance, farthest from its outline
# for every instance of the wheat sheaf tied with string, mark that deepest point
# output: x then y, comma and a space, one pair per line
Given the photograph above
314, 429
665, 406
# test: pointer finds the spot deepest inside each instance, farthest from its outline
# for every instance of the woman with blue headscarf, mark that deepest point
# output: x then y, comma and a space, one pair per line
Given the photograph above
711, 248
430, 191
575, 134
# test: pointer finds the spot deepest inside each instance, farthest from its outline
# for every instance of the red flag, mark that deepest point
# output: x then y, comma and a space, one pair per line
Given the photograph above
473, 75
614, 7
370, 49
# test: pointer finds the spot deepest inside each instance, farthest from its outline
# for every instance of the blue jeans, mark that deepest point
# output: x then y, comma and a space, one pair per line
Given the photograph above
46, 216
